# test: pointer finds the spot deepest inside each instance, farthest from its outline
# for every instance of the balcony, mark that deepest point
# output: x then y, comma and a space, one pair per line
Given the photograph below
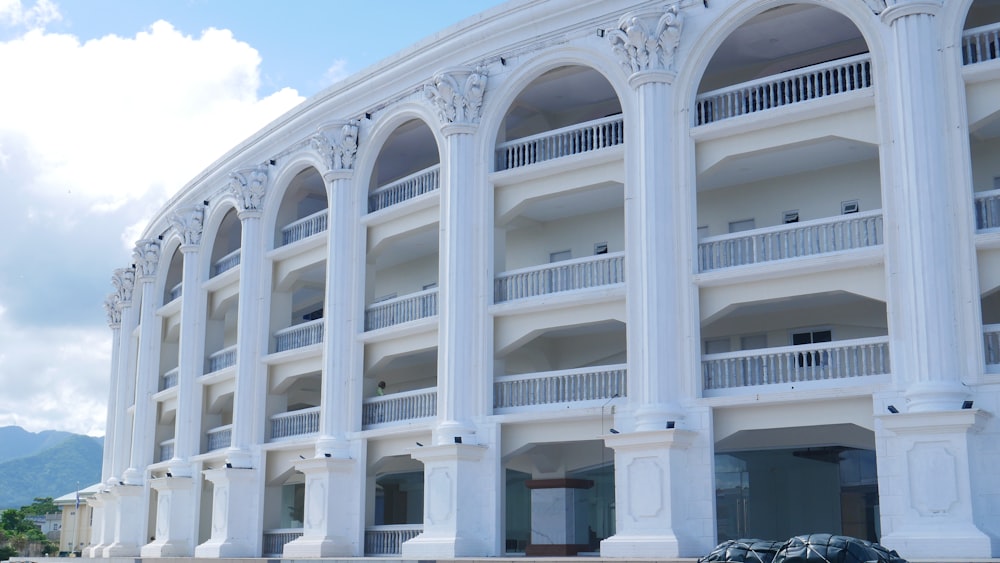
987, 210
796, 364
169, 379
795, 240
397, 310
566, 386
295, 423
981, 44
305, 227
222, 359
388, 540
409, 187
273, 541
226, 263
219, 438
399, 407
809, 83
166, 452
991, 347
579, 273
305, 334
557, 143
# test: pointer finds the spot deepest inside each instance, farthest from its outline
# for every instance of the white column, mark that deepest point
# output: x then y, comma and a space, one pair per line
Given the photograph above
113, 309
98, 526
124, 282
670, 444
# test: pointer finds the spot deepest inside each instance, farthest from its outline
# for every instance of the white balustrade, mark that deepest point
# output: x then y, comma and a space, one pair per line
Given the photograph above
273, 544
794, 240
305, 227
398, 407
226, 263
304, 334
981, 44
566, 275
388, 540
409, 187
219, 437
575, 139
295, 423
800, 85
401, 309
169, 379
987, 210
991, 344
795, 364
222, 359
166, 450
175, 291
566, 386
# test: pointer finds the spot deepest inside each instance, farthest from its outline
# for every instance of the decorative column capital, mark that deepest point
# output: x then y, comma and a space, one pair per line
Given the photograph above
457, 95
338, 151
893, 10
112, 306
646, 43
124, 281
146, 257
189, 225
249, 186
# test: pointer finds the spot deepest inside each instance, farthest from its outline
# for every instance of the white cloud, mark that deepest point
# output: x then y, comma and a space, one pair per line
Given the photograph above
93, 137
336, 72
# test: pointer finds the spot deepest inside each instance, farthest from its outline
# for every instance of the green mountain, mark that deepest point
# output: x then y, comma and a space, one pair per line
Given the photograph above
56, 464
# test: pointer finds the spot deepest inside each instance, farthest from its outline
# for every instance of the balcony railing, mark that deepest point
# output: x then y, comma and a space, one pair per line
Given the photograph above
796, 364
566, 386
579, 273
987, 210
397, 407
388, 540
305, 227
403, 309
295, 423
226, 263
809, 83
222, 359
273, 544
305, 334
219, 437
981, 44
166, 450
566, 141
991, 346
175, 291
795, 240
409, 187
169, 379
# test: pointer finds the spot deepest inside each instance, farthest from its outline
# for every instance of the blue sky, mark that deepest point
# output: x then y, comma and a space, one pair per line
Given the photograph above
107, 108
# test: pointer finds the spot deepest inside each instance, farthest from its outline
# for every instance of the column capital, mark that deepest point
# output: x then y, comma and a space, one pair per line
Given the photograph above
146, 256
646, 42
337, 145
249, 186
124, 281
112, 306
893, 10
189, 224
457, 95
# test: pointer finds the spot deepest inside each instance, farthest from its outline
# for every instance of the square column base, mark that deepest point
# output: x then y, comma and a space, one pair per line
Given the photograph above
235, 531
128, 519
652, 547
175, 530
329, 530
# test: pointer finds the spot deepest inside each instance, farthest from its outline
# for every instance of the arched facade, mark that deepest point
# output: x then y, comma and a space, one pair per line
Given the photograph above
577, 277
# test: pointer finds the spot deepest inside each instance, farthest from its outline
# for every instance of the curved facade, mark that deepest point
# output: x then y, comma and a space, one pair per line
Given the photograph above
583, 276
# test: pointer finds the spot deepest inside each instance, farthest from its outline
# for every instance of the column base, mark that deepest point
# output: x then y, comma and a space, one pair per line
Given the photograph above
224, 549
945, 542
235, 527
166, 549
120, 549
422, 547
652, 547
317, 547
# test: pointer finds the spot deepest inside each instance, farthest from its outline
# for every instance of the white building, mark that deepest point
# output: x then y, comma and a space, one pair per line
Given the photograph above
638, 276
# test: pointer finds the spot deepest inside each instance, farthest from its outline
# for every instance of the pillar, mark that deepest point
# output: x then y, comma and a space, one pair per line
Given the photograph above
558, 517
664, 502
235, 514
175, 533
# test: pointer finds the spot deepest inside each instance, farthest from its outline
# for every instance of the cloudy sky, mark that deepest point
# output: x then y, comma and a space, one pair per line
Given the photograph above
107, 108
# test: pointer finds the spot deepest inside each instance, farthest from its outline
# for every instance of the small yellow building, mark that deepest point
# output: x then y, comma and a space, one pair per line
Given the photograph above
77, 517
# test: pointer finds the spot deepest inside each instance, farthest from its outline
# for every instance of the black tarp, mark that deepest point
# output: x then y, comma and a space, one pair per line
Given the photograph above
812, 548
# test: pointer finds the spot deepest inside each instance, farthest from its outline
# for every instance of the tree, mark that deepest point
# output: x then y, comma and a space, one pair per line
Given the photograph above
40, 507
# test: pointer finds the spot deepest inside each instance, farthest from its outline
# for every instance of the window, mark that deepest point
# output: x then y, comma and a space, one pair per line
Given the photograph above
600, 248
317, 314
850, 206
742, 225
819, 358
753, 342
790, 216
560, 256
717, 346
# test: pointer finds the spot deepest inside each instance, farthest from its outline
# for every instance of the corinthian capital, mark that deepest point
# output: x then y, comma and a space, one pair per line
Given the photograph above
457, 95
113, 308
146, 257
338, 153
189, 224
124, 281
647, 41
248, 186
